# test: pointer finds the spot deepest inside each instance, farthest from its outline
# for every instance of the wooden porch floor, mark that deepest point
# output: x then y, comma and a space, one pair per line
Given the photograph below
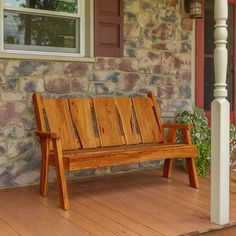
139, 203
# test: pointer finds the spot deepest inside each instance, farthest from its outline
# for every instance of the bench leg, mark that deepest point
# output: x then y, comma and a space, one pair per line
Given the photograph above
44, 167
168, 168
61, 174
193, 178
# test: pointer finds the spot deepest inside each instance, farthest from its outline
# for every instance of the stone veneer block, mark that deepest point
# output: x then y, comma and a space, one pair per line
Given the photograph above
125, 167
10, 112
168, 92
180, 105
183, 62
168, 60
131, 30
17, 147
187, 24
26, 68
132, 6
2, 149
31, 85
15, 131
148, 58
168, 15
105, 64
11, 96
128, 65
146, 19
127, 82
57, 84
80, 85
2, 64
172, 3
2, 79
184, 76
77, 69
170, 80
154, 80
185, 91
164, 31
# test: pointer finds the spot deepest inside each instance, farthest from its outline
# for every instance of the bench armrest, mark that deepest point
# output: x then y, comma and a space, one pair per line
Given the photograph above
178, 126
50, 135
172, 132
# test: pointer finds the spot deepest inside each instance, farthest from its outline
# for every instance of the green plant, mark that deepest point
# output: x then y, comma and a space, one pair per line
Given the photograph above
232, 132
232, 146
201, 137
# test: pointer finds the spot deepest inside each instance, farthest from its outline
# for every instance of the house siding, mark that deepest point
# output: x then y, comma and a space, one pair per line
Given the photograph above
157, 57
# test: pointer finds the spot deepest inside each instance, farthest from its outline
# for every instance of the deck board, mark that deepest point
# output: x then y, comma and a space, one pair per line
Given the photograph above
6, 230
141, 203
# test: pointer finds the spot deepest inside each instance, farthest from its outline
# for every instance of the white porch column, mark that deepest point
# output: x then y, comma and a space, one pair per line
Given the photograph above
220, 121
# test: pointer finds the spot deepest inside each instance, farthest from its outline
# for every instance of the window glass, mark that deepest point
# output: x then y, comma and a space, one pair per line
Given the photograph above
69, 6
208, 82
36, 30
209, 27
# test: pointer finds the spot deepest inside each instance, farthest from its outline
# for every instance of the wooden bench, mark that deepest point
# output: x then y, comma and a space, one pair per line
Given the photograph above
89, 133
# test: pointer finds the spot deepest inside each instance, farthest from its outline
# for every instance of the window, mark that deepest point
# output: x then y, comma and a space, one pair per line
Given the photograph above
61, 29
48, 27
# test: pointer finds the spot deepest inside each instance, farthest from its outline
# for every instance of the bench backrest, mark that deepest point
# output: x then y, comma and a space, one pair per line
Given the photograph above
100, 122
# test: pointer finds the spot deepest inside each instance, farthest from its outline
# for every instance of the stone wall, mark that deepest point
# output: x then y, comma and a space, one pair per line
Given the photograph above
157, 57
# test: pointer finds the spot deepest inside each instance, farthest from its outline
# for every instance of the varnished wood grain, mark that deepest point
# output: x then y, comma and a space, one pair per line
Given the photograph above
58, 157
136, 198
146, 118
6, 230
157, 112
44, 169
139, 203
125, 110
101, 158
168, 164
29, 218
59, 120
120, 122
82, 118
95, 222
38, 108
108, 123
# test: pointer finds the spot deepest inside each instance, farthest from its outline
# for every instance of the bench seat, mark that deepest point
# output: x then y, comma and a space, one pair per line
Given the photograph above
103, 157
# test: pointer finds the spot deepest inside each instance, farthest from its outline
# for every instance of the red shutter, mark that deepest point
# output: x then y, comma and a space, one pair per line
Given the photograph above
108, 28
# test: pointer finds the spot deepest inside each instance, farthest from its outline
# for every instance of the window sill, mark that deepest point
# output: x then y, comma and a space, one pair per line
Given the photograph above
45, 57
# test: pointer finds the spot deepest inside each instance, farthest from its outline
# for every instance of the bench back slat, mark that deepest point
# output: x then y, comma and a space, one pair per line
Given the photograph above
81, 113
147, 120
59, 120
157, 112
125, 110
107, 122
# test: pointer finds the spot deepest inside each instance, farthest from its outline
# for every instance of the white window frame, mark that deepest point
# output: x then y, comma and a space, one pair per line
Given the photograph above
52, 55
